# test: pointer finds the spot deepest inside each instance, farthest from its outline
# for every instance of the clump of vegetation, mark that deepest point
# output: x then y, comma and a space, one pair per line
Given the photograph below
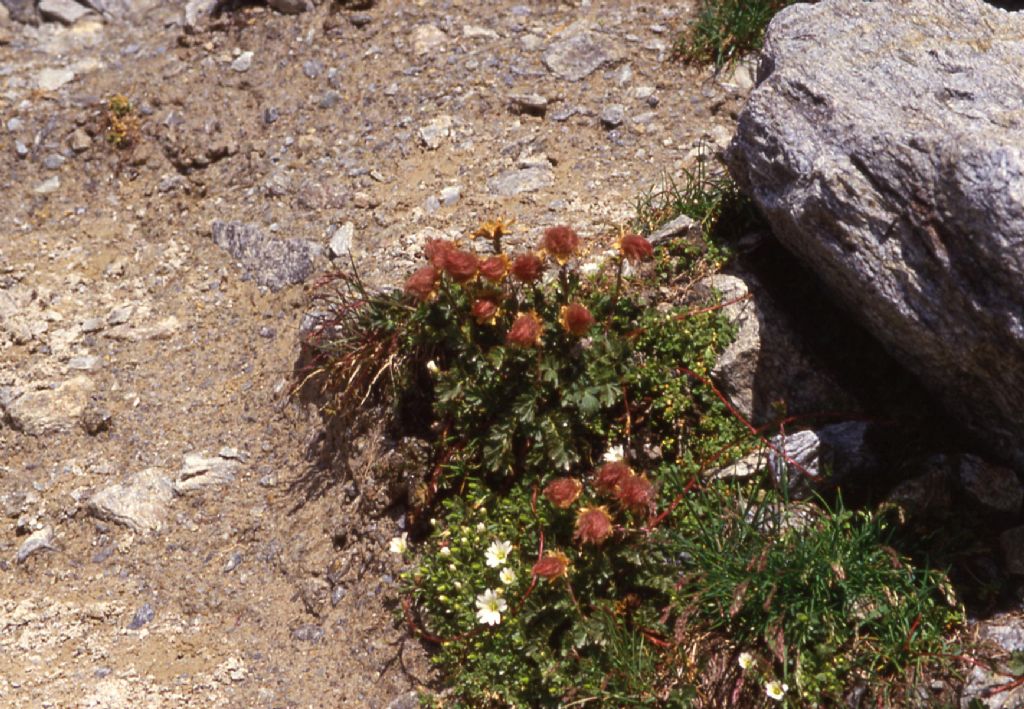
727, 29
577, 551
121, 122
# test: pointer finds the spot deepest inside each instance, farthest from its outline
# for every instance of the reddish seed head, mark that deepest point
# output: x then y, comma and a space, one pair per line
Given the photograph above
495, 268
561, 242
576, 319
484, 311
461, 265
562, 492
593, 526
635, 493
525, 331
436, 251
554, 565
422, 285
635, 248
609, 475
527, 267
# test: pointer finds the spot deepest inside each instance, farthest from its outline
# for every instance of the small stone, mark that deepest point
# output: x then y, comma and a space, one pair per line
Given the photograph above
329, 99
198, 10
273, 263
53, 162
120, 314
20, 149
232, 563
436, 131
80, 141
43, 412
337, 594
409, 700
268, 480
268, 332
513, 182
613, 116
199, 471
63, 11
308, 634
564, 114
15, 124
139, 504
243, 62
579, 52
270, 115
312, 68
477, 32
428, 38
290, 7
142, 616
37, 541
48, 186
450, 195
84, 362
431, 204
96, 418
53, 79
360, 19
531, 104
341, 239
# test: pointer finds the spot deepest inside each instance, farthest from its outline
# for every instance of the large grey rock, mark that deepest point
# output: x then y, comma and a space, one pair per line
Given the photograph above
274, 263
139, 504
815, 461
1002, 636
883, 144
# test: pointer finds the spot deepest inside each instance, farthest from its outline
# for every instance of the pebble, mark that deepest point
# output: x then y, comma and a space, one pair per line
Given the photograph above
243, 62
450, 195
531, 104
142, 616
431, 204
341, 239
613, 116
513, 182
84, 362
53, 162
14, 125
20, 149
577, 53
53, 79
477, 32
80, 141
308, 633
290, 7
435, 131
232, 563
121, 314
270, 115
312, 68
267, 332
330, 99
427, 38
63, 11
37, 541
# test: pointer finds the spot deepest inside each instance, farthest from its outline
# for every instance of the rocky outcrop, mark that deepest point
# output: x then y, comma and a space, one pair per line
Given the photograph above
883, 143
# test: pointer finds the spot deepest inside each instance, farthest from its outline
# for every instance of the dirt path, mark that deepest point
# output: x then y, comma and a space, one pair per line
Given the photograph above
154, 547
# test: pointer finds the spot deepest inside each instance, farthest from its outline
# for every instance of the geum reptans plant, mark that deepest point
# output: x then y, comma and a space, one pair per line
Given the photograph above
568, 555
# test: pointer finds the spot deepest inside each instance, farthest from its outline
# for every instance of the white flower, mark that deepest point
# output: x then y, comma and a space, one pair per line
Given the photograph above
497, 553
458, 585
480, 527
745, 660
489, 607
445, 551
590, 268
399, 545
432, 367
776, 689
507, 576
614, 454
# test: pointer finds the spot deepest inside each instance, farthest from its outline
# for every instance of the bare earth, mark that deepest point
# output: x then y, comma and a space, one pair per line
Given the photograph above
165, 537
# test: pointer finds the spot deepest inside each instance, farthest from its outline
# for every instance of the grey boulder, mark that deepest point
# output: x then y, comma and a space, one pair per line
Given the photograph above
883, 144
